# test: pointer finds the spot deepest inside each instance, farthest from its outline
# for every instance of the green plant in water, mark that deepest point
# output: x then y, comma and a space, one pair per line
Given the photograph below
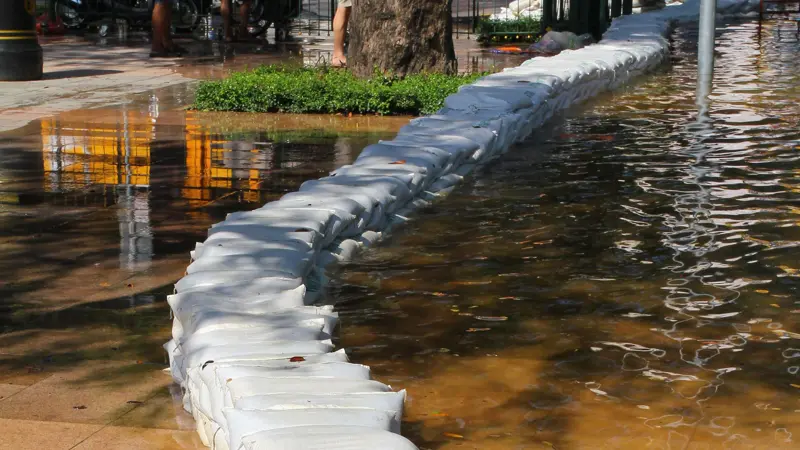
280, 88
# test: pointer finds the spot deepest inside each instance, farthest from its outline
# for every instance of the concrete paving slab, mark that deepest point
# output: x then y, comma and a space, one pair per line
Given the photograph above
93, 392
128, 438
35, 435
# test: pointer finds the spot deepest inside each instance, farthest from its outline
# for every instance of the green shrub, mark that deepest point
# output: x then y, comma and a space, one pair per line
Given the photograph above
522, 29
324, 90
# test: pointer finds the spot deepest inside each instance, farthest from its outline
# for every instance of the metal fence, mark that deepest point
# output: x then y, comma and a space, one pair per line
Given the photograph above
488, 19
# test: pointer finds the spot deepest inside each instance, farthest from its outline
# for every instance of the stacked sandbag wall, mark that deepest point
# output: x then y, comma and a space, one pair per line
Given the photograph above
250, 349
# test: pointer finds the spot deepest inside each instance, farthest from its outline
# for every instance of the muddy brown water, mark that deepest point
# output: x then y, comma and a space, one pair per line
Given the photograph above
628, 279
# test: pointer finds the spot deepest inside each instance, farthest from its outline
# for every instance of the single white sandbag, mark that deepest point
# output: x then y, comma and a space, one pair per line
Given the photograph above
242, 423
292, 263
384, 401
237, 283
207, 320
228, 233
215, 378
330, 437
242, 247
259, 350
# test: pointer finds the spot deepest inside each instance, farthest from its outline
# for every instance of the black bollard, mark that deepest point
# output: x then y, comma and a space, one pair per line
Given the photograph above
20, 53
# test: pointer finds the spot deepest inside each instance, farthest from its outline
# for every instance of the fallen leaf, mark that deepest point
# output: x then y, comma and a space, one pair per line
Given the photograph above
762, 291
439, 414
296, 359
453, 435
775, 305
104, 284
475, 330
795, 386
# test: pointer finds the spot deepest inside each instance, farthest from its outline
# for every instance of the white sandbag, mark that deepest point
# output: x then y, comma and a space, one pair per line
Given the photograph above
363, 202
242, 423
348, 371
291, 263
227, 232
438, 159
332, 220
384, 401
461, 148
336, 204
412, 178
237, 283
251, 386
218, 338
397, 188
207, 320
241, 247
185, 304
335, 437
259, 350
377, 196
214, 380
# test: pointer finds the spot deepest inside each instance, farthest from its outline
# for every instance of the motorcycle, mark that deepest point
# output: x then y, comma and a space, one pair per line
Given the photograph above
263, 14
77, 14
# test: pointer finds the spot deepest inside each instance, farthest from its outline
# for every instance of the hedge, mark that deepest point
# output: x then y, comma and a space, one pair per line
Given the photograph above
326, 90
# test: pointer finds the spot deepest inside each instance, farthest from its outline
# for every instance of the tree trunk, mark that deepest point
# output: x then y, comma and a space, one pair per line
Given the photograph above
401, 36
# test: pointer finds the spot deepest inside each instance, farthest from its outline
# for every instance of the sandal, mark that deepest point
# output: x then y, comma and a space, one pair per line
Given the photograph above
338, 64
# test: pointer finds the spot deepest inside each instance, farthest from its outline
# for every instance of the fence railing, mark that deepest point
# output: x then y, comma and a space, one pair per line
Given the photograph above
492, 18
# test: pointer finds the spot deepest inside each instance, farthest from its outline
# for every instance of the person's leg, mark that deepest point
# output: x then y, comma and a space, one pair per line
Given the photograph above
227, 26
340, 20
244, 19
160, 26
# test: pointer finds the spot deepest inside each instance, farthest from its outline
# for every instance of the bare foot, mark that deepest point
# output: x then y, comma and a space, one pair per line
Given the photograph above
339, 62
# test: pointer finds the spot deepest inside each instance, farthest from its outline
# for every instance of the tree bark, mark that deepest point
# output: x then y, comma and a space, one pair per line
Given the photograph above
401, 36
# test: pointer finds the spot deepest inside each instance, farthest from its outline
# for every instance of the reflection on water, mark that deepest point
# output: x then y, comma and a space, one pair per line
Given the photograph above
126, 191
628, 280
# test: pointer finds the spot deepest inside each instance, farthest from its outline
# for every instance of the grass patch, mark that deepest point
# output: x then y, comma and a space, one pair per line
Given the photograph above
324, 90
523, 29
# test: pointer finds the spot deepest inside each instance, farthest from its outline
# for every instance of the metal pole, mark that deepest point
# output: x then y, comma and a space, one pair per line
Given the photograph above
627, 7
616, 8
547, 15
705, 54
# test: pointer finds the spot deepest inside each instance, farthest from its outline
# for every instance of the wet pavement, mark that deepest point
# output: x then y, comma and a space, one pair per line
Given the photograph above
626, 279
98, 211
90, 72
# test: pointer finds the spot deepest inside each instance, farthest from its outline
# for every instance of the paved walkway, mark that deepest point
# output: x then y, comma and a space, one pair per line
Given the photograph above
79, 74
82, 73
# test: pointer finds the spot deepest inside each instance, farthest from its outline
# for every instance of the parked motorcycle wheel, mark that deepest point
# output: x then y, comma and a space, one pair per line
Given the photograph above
257, 24
185, 14
69, 14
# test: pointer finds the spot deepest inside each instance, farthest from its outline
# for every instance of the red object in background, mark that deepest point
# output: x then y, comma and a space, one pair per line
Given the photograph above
44, 25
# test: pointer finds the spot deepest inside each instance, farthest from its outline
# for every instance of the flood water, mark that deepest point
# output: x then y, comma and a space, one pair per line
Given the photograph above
100, 208
627, 280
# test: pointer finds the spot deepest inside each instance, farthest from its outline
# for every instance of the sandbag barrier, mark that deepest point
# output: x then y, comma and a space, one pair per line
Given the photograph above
254, 356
